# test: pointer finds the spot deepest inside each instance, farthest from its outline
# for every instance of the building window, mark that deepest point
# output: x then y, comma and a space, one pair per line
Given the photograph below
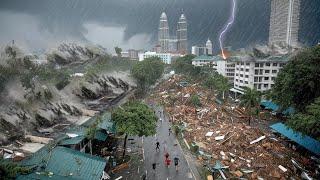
259, 86
255, 79
242, 63
274, 71
261, 64
241, 75
267, 64
273, 78
237, 80
256, 71
241, 81
246, 76
241, 69
247, 70
282, 64
267, 71
275, 64
237, 74
246, 82
265, 85
248, 64
256, 65
266, 78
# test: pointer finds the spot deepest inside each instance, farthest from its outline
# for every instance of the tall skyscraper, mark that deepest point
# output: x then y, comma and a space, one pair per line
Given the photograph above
284, 22
163, 35
209, 47
182, 35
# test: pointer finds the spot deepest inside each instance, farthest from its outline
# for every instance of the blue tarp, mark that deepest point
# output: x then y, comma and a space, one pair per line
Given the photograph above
306, 141
274, 107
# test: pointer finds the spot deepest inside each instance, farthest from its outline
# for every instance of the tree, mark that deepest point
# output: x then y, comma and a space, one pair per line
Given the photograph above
298, 83
147, 72
134, 119
222, 84
10, 170
219, 82
250, 100
195, 101
308, 122
91, 131
118, 51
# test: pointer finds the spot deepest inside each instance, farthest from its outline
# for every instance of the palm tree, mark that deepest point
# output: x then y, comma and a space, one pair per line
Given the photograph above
250, 100
224, 86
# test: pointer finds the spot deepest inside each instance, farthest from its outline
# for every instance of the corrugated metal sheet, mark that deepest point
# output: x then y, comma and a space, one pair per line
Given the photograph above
274, 107
64, 163
105, 124
306, 141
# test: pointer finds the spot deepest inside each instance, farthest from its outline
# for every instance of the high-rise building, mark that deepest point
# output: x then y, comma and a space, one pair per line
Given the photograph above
173, 44
202, 50
182, 35
209, 47
163, 35
284, 22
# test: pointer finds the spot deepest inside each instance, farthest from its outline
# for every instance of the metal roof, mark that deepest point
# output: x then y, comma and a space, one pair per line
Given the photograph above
105, 124
203, 58
81, 132
274, 107
63, 163
306, 141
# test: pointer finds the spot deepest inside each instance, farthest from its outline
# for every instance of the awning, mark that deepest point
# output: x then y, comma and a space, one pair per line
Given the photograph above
236, 90
305, 141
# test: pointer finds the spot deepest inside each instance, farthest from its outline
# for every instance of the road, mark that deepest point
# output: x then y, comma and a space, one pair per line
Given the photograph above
151, 156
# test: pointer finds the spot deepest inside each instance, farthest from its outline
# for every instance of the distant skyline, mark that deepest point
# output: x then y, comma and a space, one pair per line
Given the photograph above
42, 24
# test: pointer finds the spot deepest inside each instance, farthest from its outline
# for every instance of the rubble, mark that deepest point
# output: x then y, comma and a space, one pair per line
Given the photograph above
222, 133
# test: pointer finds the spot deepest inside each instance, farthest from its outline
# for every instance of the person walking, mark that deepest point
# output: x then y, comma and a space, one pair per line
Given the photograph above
154, 165
176, 162
157, 146
169, 131
167, 161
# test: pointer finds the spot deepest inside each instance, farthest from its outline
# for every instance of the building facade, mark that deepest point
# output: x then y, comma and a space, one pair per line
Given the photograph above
163, 34
284, 22
226, 68
165, 57
203, 50
182, 35
258, 74
209, 47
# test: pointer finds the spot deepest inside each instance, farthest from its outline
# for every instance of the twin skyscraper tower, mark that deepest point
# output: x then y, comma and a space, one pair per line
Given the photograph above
175, 44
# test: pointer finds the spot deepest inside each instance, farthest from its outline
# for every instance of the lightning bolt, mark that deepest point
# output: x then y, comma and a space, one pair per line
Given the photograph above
230, 22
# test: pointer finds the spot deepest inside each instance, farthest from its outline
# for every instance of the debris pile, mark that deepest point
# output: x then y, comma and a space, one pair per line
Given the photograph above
221, 133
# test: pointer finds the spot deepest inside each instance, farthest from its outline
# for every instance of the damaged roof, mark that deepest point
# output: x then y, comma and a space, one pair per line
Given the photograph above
63, 163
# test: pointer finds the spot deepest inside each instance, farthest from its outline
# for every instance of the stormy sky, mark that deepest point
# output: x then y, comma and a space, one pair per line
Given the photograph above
40, 24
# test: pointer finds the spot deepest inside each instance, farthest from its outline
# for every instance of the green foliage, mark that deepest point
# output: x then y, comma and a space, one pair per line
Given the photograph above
91, 131
135, 119
218, 82
9, 170
298, 83
251, 101
118, 51
183, 65
147, 72
308, 122
195, 100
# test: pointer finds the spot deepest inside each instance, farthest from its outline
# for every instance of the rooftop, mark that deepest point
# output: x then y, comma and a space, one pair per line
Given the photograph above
105, 124
63, 163
307, 142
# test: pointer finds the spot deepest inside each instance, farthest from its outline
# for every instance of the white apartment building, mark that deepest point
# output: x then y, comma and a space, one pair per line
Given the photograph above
259, 74
226, 68
205, 61
165, 57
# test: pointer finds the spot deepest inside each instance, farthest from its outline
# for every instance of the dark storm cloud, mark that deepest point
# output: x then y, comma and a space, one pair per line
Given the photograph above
139, 19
